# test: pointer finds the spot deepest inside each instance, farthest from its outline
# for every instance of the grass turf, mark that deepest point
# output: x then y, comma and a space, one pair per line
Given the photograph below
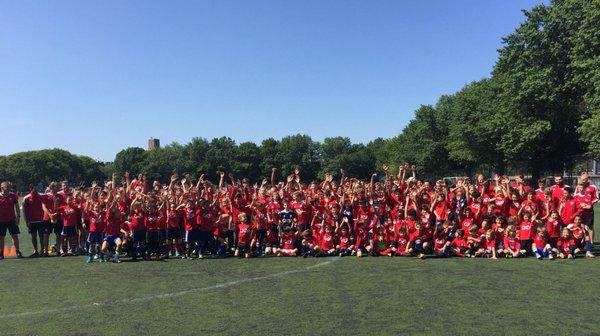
375, 296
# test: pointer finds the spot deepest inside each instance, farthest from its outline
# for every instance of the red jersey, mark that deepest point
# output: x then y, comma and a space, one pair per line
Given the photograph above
440, 210
553, 228
540, 241
69, 215
513, 208
569, 209
244, 234
137, 221
208, 218
7, 207
459, 242
302, 212
526, 230
151, 221
578, 232
489, 243
97, 221
512, 243
288, 241
327, 241
49, 201
531, 207
345, 241
114, 223
173, 218
564, 244
259, 220
32, 207
191, 218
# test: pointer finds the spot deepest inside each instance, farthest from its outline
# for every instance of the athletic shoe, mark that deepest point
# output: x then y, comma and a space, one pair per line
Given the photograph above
589, 254
200, 256
537, 255
19, 255
34, 255
89, 259
551, 256
177, 254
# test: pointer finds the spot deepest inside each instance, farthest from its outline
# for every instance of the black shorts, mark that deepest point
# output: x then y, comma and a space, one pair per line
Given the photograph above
590, 222
38, 228
173, 233
56, 228
11, 226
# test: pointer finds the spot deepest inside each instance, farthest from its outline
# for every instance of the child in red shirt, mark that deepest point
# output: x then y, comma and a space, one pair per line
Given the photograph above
345, 244
489, 243
565, 246
244, 237
381, 243
512, 245
541, 246
526, 232
580, 235
288, 242
459, 245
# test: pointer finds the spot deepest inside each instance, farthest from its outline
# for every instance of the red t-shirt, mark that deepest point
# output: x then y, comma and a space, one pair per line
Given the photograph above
32, 207
540, 241
564, 244
97, 221
173, 218
137, 221
151, 221
114, 223
327, 241
553, 228
7, 207
288, 241
526, 230
512, 243
345, 241
244, 233
68, 214
190, 219
302, 211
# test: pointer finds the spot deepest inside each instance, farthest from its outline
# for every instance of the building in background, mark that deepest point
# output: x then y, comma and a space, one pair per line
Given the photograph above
153, 144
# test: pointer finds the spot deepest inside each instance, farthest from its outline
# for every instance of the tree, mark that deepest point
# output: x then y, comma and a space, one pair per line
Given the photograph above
299, 150
130, 160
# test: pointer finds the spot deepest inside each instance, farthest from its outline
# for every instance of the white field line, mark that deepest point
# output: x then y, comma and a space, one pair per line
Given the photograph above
167, 295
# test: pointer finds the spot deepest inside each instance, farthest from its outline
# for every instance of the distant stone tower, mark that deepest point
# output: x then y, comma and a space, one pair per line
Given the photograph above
153, 143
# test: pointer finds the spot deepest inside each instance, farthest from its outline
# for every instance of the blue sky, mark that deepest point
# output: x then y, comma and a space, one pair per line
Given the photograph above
94, 77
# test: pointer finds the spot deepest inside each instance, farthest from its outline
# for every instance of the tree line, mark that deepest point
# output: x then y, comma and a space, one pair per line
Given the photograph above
538, 112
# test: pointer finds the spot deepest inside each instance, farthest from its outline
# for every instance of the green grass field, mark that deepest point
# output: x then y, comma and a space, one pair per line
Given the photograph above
293, 296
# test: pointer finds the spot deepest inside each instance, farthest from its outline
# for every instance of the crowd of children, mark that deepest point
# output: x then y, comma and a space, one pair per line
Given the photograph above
391, 215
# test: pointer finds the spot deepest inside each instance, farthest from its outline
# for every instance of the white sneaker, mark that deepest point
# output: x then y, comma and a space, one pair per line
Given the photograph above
537, 255
589, 254
551, 256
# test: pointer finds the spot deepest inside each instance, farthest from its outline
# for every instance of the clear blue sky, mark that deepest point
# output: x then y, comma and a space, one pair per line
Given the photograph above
94, 77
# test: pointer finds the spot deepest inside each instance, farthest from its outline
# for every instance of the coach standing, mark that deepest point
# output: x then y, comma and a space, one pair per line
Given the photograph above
9, 218
34, 217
